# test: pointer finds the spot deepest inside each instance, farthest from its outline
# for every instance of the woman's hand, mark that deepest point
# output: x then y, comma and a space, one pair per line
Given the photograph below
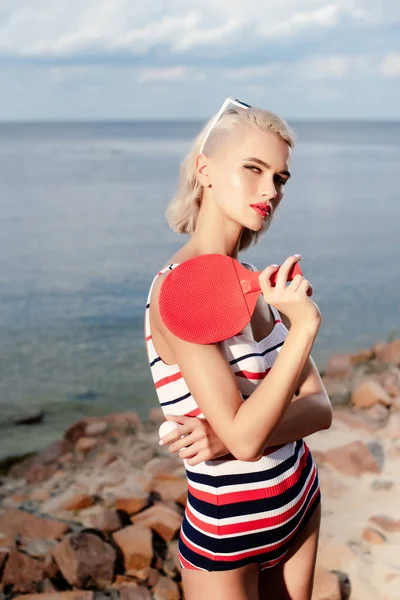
293, 300
199, 443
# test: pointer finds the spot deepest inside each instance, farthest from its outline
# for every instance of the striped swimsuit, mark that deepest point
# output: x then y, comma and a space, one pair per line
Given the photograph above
238, 512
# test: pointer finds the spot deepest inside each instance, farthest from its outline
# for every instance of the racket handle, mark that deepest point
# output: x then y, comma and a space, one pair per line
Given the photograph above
295, 270
251, 284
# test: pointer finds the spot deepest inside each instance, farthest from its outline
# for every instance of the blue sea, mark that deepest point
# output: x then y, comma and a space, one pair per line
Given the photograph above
83, 233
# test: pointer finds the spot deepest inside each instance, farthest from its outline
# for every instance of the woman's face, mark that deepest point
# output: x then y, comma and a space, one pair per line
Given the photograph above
252, 168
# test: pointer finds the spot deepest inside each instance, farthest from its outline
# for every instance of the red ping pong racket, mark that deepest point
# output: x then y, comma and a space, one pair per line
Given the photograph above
211, 297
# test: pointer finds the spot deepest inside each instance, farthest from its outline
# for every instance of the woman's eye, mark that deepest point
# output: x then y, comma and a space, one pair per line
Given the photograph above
281, 181
251, 167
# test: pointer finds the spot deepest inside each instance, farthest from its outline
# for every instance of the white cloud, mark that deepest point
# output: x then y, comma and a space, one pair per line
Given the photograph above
333, 67
246, 73
326, 16
46, 28
390, 65
170, 74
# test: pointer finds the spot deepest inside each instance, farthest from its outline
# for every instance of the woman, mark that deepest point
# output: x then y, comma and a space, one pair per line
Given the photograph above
251, 524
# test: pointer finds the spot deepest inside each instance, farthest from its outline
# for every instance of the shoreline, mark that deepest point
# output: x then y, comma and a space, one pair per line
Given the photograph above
107, 489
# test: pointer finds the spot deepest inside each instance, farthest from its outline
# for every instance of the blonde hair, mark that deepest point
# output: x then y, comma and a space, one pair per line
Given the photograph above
183, 209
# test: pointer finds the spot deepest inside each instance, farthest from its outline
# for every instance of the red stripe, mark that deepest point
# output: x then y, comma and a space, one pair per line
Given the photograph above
186, 564
193, 413
272, 563
252, 374
246, 495
165, 380
250, 526
148, 338
249, 553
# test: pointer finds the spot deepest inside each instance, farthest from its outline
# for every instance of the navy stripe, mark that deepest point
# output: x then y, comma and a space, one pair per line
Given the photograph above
246, 507
220, 565
176, 400
245, 541
239, 478
263, 353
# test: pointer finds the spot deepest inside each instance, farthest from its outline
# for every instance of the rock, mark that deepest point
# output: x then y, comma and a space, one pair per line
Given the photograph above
372, 536
22, 572
86, 444
354, 420
393, 453
30, 418
161, 518
352, 459
132, 504
378, 413
382, 484
37, 472
135, 542
170, 487
156, 415
75, 595
378, 347
166, 589
4, 552
162, 464
85, 559
67, 500
173, 553
75, 431
338, 391
98, 428
52, 453
368, 393
396, 404
389, 353
344, 582
132, 495
37, 548
361, 356
14, 521
106, 520
392, 430
339, 366
326, 586
78, 501
39, 495
138, 593
50, 566
388, 524
390, 381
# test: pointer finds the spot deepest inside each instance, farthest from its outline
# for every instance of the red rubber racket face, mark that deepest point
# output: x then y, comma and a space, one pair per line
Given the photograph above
210, 298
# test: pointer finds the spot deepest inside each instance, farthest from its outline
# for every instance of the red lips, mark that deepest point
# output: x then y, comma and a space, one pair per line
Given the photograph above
264, 208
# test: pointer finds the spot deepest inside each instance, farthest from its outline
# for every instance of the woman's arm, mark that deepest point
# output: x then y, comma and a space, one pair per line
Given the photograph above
244, 427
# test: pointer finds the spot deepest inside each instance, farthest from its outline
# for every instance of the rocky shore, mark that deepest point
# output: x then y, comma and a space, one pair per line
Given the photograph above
97, 513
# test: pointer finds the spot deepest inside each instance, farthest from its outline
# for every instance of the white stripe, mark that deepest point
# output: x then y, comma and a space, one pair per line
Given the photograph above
281, 541
220, 466
248, 518
239, 487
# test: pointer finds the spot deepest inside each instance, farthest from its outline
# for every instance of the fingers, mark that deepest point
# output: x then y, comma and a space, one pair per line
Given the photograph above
193, 449
265, 276
304, 286
182, 430
283, 273
295, 283
187, 440
200, 457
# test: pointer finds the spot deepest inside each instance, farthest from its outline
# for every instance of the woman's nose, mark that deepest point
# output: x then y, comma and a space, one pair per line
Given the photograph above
269, 192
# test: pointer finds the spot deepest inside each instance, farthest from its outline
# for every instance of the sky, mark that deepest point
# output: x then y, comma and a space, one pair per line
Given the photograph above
179, 59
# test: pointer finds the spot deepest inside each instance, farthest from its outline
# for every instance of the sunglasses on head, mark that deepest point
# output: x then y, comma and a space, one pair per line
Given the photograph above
229, 103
